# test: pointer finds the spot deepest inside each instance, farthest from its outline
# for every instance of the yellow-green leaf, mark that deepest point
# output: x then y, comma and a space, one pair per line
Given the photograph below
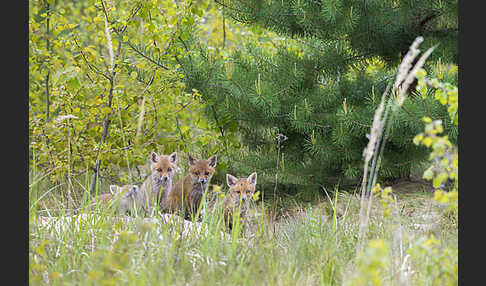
428, 174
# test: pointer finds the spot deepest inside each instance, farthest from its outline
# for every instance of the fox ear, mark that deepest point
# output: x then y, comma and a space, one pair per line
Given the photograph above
173, 158
154, 157
113, 189
192, 161
252, 179
213, 160
230, 180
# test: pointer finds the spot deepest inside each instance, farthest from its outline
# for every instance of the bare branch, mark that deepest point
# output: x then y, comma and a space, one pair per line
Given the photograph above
130, 18
93, 68
142, 111
109, 44
145, 56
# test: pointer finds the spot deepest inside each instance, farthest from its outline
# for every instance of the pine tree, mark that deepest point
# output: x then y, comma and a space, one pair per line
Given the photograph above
321, 87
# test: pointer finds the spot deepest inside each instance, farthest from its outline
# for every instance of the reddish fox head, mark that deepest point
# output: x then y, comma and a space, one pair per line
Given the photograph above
163, 166
201, 171
241, 189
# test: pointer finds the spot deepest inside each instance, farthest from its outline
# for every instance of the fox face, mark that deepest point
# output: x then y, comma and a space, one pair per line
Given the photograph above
241, 190
201, 171
163, 167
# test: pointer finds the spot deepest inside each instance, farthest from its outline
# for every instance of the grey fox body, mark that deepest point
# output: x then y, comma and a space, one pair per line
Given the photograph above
121, 199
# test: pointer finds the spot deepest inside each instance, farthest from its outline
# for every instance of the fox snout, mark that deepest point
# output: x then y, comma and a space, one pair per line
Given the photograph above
163, 178
202, 180
241, 199
133, 192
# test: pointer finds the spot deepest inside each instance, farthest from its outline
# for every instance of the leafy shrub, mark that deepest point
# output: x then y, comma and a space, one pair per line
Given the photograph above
434, 262
105, 88
444, 155
372, 264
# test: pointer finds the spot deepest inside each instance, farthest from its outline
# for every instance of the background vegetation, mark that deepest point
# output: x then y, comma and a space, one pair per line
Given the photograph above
320, 84
270, 89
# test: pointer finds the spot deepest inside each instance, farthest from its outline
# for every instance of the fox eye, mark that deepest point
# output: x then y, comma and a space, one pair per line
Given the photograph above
159, 170
206, 173
169, 169
238, 191
196, 173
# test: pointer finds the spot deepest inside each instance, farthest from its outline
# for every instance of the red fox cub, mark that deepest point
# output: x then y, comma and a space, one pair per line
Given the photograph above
156, 187
192, 186
241, 192
122, 199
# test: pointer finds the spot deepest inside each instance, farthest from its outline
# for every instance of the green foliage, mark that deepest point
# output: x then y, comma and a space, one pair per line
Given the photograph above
224, 36
429, 257
319, 86
112, 93
372, 264
110, 81
381, 28
386, 199
112, 263
444, 155
98, 247
435, 261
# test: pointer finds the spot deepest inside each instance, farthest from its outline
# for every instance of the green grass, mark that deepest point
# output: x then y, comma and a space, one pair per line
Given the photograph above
306, 244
